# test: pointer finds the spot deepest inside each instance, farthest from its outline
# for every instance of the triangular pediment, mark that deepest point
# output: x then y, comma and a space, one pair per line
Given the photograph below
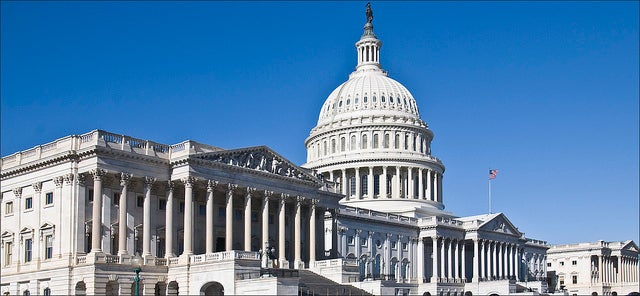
500, 224
631, 247
261, 159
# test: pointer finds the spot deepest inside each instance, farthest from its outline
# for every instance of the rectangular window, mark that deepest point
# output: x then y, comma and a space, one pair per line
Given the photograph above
574, 279
394, 245
364, 184
8, 253
561, 263
363, 242
8, 208
28, 203
548, 264
116, 199
28, 248
404, 246
350, 240
48, 198
376, 184
162, 204
140, 201
202, 210
90, 195
574, 262
352, 185
48, 251
561, 280
181, 207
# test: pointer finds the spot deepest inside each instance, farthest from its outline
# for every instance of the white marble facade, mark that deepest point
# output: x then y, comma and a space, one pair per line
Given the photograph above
366, 209
594, 268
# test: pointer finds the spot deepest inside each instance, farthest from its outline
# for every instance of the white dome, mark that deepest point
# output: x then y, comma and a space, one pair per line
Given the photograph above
368, 92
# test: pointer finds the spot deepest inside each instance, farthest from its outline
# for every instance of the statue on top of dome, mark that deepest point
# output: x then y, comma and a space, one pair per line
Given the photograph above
369, 13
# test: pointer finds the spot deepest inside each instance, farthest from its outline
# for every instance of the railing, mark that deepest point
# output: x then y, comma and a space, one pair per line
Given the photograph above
224, 256
81, 259
174, 260
109, 140
336, 262
376, 214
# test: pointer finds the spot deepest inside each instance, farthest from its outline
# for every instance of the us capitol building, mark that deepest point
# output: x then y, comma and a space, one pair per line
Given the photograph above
104, 213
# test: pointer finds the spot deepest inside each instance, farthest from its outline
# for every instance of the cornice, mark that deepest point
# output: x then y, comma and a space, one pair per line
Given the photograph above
409, 161
319, 133
41, 163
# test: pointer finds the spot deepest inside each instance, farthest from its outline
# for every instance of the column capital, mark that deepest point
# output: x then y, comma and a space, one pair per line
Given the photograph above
81, 179
231, 187
268, 194
283, 198
370, 233
250, 191
59, 180
388, 235
300, 199
125, 179
68, 178
314, 202
170, 186
97, 174
188, 181
148, 181
17, 192
211, 185
358, 231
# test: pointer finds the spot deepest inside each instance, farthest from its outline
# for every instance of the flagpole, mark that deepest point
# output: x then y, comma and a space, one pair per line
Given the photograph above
489, 195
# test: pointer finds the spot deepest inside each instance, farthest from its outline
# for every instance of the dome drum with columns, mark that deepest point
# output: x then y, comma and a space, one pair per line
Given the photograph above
371, 142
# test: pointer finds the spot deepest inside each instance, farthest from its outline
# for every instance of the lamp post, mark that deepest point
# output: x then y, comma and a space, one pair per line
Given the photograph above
136, 280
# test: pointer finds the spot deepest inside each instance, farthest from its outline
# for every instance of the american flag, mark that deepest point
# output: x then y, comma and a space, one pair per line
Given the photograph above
493, 174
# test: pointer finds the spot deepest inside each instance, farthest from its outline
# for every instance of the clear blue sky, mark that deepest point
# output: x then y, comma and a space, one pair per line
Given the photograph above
546, 92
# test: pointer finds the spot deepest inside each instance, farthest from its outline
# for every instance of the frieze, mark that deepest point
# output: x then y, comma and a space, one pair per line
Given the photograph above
259, 160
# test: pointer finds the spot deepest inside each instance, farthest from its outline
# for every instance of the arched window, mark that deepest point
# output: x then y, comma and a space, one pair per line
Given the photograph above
365, 142
386, 141
343, 144
46, 291
375, 140
391, 99
340, 103
333, 145
356, 101
397, 143
324, 147
415, 143
364, 100
318, 150
348, 101
383, 99
364, 184
374, 98
26, 293
353, 143
406, 142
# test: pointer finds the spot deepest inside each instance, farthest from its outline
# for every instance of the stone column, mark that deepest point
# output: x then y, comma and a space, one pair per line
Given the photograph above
387, 255
396, 190
96, 224
188, 215
463, 270
518, 262
435, 275
482, 259
265, 218
449, 260
344, 183
122, 214
494, 263
439, 189
443, 273
429, 185
168, 236
211, 186
476, 260
228, 242
297, 230
410, 187
247, 219
456, 261
312, 233
370, 192
282, 256
499, 255
420, 183
383, 182
358, 191
420, 265
436, 188
357, 243
146, 223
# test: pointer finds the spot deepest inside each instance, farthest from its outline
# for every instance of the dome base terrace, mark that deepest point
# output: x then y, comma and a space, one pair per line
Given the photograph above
414, 208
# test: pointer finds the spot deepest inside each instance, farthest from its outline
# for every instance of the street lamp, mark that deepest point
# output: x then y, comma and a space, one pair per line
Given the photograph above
136, 280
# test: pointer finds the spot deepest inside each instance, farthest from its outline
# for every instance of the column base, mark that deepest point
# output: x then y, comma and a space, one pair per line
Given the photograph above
283, 263
298, 264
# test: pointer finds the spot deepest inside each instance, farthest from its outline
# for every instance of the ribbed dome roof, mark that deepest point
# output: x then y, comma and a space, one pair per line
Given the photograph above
368, 92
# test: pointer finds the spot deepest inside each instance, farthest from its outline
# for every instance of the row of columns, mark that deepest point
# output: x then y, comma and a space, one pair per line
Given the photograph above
402, 140
450, 255
429, 183
626, 270
188, 218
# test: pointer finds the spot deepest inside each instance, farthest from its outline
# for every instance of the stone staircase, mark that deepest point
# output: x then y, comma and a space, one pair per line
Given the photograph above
314, 284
